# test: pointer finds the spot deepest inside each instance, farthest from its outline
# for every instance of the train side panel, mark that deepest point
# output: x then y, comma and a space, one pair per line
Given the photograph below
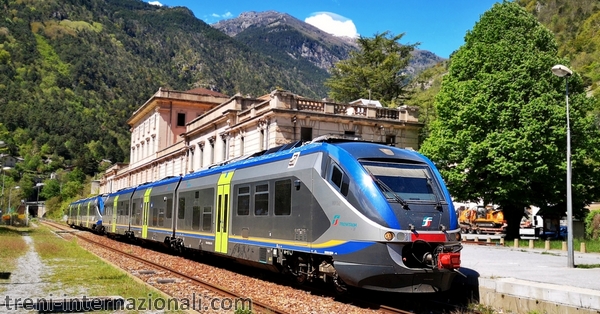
274, 208
196, 203
117, 212
151, 204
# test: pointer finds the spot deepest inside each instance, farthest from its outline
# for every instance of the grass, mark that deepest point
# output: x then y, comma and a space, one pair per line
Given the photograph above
591, 246
75, 272
12, 246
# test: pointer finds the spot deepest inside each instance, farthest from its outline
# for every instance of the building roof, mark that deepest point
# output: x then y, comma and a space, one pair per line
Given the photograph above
204, 91
366, 102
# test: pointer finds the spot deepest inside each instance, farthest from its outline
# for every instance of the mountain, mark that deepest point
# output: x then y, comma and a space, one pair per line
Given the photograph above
576, 25
290, 40
73, 71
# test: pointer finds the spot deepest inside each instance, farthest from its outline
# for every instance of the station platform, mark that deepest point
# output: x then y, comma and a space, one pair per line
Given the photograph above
518, 280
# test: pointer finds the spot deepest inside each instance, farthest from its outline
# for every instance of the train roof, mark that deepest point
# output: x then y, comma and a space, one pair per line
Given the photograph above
379, 151
358, 149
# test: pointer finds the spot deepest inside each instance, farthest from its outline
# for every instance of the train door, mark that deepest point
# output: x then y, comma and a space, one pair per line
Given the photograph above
222, 215
146, 213
87, 214
79, 223
113, 227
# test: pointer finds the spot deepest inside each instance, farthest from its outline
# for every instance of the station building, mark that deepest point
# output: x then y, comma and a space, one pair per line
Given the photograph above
179, 132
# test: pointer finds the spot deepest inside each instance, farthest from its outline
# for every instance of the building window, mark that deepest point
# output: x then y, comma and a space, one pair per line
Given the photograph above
225, 148
242, 146
306, 134
261, 143
181, 119
390, 139
349, 133
201, 155
212, 151
191, 159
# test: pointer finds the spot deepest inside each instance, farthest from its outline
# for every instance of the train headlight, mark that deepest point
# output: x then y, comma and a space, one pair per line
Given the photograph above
389, 236
458, 237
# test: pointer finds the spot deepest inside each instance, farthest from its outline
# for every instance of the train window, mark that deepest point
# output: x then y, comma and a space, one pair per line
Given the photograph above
412, 182
207, 219
261, 200
225, 212
161, 217
283, 197
169, 211
336, 176
181, 213
345, 185
243, 201
137, 213
169, 208
154, 216
196, 217
340, 179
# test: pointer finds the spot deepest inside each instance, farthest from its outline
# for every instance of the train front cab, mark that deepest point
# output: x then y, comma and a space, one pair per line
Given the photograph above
411, 247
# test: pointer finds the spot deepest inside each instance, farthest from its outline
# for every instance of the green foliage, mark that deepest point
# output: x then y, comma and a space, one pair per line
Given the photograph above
51, 189
425, 86
72, 73
592, 224
372, 72
71, 189
575, 25
500, 135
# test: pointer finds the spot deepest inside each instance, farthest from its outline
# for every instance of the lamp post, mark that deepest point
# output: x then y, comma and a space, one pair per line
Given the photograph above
39, 188
9, 194
562, 71
3, 175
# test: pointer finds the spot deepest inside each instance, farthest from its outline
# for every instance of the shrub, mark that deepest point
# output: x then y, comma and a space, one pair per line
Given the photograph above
592, 224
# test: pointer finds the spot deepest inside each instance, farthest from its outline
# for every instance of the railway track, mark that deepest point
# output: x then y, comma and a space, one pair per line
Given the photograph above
257, 307
224, 293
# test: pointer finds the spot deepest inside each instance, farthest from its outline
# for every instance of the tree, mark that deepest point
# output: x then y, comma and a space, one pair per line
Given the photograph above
375, 71
500, 135
425, 87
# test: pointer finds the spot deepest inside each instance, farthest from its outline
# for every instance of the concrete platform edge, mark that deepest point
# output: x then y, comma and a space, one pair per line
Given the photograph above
520, 296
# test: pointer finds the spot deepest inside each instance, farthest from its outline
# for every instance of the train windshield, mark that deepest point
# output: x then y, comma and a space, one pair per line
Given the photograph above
407, 182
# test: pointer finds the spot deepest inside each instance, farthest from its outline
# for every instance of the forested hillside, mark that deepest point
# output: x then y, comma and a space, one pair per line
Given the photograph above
73, 71
576, 25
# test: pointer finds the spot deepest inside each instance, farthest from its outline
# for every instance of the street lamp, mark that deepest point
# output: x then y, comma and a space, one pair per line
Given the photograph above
39, 187
3, 175
562, 71
9, 194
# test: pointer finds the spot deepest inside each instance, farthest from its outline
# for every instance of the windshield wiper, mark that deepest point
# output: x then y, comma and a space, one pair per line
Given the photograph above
438, 204
389, 190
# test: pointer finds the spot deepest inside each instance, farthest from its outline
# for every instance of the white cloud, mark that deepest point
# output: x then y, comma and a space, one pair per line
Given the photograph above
333, 24
222, 16
155, 3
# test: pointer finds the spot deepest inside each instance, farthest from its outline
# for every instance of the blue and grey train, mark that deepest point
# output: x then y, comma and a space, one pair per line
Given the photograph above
87, 213
352, 213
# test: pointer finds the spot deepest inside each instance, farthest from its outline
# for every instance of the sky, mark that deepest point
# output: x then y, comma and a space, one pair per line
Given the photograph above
437, 25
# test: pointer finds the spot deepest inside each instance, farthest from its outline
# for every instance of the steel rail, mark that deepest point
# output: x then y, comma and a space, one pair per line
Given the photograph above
260, 307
